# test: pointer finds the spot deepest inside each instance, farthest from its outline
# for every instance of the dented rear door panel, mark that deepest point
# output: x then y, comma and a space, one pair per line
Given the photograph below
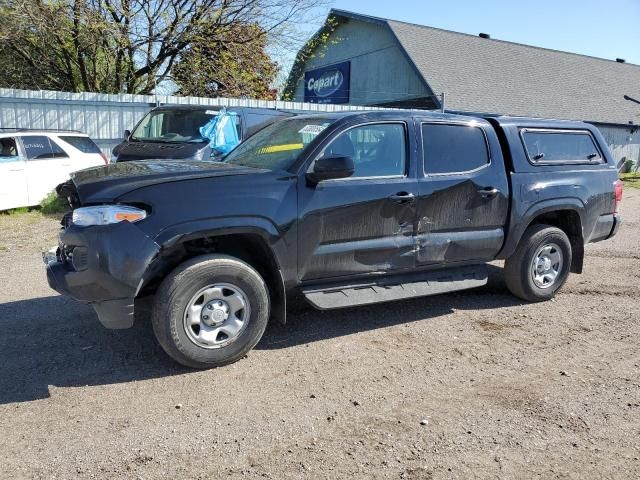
462, 216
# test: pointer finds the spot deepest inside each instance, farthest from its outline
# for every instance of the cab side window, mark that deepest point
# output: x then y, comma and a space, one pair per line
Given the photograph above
42, 148
377, 150
8, 150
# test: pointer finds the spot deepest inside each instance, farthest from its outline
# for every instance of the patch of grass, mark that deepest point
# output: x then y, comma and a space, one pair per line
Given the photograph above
631, 179
52, 204
17, 211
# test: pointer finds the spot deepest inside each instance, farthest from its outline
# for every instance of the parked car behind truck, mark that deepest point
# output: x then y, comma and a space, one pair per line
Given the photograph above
33, 162
173, 132
344, 209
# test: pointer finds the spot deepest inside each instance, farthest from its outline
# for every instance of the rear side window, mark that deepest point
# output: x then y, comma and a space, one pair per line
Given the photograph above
42, 148
453, 148
558, 147
84, 144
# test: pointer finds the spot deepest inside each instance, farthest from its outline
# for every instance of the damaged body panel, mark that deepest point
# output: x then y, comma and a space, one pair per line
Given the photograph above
104, 266
353, 227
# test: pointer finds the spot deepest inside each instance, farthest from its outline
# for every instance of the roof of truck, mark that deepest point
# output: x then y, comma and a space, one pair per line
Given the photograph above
503, 120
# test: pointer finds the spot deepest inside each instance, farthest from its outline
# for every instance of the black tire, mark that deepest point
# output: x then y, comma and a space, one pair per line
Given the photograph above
177, 291
518, 269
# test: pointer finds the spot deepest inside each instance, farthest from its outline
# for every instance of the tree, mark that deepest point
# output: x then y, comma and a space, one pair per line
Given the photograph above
128, 45
234, 64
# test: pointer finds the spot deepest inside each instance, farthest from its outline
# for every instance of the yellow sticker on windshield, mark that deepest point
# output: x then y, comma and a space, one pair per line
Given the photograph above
282, 148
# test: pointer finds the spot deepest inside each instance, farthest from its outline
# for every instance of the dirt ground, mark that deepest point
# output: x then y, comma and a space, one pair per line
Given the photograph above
476, 384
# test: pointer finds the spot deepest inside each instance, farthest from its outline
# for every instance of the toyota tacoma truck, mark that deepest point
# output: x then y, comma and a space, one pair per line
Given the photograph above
340, 209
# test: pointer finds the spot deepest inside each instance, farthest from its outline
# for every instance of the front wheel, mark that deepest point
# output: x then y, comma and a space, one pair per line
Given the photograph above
210, 311
540, 265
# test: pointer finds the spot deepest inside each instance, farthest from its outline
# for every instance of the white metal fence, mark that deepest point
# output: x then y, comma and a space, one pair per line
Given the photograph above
104, 117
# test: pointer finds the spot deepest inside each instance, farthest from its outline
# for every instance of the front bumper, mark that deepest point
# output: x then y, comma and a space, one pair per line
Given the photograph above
104, 266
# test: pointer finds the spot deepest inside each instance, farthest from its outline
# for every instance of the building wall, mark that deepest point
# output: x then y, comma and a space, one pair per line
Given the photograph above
622, 142
380, 71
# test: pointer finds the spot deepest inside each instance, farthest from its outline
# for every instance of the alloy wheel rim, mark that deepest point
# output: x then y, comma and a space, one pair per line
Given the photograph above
216, 315
546, 265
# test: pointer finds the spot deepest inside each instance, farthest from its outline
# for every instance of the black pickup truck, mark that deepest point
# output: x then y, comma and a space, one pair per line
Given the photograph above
342, 209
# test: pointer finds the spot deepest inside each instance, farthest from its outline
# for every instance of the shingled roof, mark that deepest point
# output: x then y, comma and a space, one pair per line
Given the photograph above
498, 77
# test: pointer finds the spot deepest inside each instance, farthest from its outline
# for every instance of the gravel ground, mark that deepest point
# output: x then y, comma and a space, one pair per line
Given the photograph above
476, 384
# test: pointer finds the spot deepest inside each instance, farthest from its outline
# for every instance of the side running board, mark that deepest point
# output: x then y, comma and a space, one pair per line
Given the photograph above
421, 284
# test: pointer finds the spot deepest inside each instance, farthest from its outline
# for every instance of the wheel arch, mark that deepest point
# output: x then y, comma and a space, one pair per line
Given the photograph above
565, 215
251, 244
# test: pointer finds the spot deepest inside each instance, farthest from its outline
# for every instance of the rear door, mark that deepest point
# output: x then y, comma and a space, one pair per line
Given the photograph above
365, 223
463, 200
47, 166
13, 175
83, 152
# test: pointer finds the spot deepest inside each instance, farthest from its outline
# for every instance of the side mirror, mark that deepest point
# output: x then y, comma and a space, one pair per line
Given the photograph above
331, 167
127, 134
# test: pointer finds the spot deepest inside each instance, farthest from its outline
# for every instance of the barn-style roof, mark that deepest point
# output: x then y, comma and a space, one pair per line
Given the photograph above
490, 76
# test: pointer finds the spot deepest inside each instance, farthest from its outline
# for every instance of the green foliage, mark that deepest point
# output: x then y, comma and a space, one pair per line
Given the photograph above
17, 211
631, 179
52, 204
316, 47
227, 62
58, 45
131, 46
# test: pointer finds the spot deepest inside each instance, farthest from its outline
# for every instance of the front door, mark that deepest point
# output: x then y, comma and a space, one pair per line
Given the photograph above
365, 223
463, 194
13, 176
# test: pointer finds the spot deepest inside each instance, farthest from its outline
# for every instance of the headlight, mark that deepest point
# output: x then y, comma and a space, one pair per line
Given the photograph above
106, 214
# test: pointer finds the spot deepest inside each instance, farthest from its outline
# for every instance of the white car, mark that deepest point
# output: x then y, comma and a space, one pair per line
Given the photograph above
33, 162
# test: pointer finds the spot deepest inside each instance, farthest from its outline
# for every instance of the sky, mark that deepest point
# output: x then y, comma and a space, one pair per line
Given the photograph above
600, 28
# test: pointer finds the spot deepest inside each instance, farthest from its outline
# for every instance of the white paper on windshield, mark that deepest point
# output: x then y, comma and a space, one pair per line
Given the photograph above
312, 129
211, 112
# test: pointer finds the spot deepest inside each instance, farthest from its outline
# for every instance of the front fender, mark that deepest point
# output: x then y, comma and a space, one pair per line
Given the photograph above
216, 226
281, 248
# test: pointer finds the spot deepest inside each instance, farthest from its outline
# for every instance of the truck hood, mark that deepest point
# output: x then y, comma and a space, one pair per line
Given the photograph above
107, 183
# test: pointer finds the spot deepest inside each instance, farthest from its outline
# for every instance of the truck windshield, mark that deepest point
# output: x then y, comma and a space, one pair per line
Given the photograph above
173, 126
278, 146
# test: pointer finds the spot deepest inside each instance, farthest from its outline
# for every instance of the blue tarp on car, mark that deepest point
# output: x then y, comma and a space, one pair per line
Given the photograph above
221, 131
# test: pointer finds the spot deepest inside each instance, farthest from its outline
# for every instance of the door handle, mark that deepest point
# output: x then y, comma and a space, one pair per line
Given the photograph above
488, 192
403, 197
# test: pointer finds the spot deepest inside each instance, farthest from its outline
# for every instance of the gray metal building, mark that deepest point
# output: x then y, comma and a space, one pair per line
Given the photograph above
362, 60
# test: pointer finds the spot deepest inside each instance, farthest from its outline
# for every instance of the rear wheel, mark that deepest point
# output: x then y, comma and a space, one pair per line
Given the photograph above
210, 311
540, 265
